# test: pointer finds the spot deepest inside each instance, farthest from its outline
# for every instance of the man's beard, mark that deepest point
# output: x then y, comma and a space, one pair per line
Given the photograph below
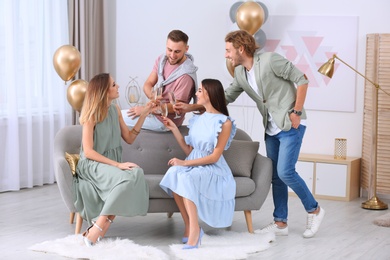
177, 62
238, 60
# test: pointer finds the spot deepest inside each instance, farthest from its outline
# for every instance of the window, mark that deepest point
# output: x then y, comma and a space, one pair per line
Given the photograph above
33, 102
30, 32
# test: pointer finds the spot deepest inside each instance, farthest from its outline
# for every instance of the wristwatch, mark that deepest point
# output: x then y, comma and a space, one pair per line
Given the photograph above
299, 113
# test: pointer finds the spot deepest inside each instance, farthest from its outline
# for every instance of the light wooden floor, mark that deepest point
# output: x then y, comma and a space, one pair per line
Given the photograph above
35, 215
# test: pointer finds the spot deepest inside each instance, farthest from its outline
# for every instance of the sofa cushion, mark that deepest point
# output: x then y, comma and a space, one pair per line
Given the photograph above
240, 157
152, 150
244, 186
155, 191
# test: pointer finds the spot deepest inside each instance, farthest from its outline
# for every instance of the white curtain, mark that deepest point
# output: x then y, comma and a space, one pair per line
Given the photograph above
33, 103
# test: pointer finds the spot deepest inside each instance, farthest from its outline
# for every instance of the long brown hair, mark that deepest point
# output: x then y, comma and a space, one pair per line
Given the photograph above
95, 105
216, 94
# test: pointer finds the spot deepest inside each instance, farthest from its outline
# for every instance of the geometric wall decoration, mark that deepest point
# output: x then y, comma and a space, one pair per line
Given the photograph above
309, 41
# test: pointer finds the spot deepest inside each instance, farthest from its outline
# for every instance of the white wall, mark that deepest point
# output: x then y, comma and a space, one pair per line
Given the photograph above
142, 27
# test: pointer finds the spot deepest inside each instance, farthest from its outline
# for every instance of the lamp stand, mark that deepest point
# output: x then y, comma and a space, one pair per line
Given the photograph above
374, 202
327, 69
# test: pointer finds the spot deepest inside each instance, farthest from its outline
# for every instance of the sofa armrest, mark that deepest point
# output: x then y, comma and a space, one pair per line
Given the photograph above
67, 139
262, 176
64, 179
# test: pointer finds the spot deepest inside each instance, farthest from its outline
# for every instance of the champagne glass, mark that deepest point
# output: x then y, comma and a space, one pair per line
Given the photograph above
172, 99
157, 97
152, 98
164, 109
159, 92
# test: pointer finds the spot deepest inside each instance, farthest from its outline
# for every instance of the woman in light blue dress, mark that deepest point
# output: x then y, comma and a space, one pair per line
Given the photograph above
203, 184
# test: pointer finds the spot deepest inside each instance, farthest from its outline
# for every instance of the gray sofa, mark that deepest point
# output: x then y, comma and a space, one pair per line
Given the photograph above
152, 150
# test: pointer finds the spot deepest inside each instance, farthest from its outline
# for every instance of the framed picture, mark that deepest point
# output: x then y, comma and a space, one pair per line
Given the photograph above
308, 42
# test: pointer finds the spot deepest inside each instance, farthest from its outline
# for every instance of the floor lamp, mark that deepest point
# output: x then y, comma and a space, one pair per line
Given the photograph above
327, 69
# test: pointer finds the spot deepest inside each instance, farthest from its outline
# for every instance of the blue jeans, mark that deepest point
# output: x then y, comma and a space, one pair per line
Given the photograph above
283, 149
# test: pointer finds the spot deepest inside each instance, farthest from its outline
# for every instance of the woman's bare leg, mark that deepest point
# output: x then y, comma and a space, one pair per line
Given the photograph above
110, 220
183, 212
193, 219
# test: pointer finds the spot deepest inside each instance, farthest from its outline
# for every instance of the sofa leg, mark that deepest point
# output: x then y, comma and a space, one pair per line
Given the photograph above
248, 219
71, 217
79, 224
169, 214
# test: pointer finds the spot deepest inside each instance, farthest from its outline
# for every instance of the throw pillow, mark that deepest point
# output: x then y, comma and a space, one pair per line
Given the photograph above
240, 157
72, 159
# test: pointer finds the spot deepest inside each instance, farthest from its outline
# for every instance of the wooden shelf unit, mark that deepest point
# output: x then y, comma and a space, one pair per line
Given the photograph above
330, 178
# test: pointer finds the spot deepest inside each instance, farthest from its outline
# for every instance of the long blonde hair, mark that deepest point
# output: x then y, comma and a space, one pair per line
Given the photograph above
95, 105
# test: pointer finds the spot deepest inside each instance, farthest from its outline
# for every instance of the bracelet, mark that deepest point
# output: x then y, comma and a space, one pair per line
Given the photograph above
134, 131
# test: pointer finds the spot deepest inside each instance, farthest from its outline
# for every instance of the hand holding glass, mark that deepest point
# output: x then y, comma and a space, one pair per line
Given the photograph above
172, 99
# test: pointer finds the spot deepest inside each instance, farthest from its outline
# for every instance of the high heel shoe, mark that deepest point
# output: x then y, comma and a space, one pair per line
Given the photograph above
184, 240
88, 242
201, 233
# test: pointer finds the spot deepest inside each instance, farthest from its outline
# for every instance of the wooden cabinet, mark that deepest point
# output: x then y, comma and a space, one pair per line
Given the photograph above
329, 178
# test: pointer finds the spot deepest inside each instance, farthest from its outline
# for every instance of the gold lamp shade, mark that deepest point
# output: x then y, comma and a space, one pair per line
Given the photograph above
327, 68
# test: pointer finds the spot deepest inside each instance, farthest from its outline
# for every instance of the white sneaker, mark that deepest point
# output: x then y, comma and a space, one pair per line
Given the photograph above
313, 223
273, 228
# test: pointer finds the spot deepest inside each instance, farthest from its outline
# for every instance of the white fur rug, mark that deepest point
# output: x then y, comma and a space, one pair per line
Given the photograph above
225, 245
73, 247
383, 221
217, 245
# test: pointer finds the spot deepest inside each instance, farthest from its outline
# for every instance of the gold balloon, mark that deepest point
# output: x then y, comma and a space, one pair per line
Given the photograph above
67, 61
76, 93
250, 17
230, 67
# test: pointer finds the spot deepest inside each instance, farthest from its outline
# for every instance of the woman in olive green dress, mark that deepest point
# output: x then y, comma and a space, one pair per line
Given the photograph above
105, 186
